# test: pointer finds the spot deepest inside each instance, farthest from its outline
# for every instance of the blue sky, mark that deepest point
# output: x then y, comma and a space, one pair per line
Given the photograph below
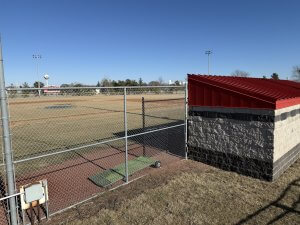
84, 41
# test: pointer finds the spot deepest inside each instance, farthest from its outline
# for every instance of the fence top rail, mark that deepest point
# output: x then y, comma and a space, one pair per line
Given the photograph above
92, 88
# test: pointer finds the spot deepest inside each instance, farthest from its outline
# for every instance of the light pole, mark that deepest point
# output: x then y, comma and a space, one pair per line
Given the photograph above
208, 52
37, 57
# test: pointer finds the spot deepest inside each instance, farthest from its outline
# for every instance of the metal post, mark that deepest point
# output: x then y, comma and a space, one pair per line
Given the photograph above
144, 124
37, 57
208, 54
7, 144
37, 72
125, 129
186, 119
208, 64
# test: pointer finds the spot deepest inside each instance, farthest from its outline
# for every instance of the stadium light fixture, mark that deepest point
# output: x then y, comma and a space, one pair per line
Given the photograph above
37, 57
208, 52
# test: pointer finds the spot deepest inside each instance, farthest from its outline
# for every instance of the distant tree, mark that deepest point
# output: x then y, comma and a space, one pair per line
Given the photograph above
64, 85
177, 83
25, 93
114, 83
240, 73
105, 82
129, 82
264, 77
154, 83
141, 83
98, 84
12, 93
25, 85
36, 84
118, 83
77, 85
81, 91
122, 83
275, 76
296, 73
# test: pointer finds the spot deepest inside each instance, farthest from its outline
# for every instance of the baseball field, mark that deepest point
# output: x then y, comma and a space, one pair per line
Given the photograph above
50, 123
46, 125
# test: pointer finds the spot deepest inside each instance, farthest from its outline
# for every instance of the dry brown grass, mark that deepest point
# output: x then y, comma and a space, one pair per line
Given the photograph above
38, 130
209, 196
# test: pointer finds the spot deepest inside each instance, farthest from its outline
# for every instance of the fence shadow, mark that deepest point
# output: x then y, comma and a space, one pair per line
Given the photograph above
170, 140
276, 203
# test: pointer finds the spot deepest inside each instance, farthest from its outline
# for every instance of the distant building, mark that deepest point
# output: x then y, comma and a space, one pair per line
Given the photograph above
173, 82
52, 89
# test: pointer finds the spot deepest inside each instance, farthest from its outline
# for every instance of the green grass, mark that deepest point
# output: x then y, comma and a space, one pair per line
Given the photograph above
117, 173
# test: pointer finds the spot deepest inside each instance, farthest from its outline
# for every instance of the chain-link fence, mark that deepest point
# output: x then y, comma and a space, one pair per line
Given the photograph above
84, 141
5, 208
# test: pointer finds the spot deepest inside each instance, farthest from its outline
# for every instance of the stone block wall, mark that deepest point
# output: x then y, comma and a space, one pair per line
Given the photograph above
240, 140
286, 139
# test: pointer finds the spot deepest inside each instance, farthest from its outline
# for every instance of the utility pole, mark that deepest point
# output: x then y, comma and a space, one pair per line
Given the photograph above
37, 57
9, 166
208, 52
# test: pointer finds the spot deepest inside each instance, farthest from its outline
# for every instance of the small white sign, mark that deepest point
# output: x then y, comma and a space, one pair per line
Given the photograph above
34, 192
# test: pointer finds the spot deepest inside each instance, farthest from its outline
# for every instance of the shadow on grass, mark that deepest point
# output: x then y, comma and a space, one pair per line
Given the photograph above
170, 140
276, 203
76, 164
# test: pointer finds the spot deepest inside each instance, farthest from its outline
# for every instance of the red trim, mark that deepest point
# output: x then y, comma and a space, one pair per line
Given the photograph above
280, 104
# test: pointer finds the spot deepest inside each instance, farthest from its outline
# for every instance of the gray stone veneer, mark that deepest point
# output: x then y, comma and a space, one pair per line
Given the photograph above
240, 140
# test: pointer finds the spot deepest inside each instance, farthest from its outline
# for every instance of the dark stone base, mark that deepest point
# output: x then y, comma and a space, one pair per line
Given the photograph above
226, 161
285, 161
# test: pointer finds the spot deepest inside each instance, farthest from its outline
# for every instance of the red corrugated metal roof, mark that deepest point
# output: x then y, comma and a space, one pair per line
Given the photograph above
228, 91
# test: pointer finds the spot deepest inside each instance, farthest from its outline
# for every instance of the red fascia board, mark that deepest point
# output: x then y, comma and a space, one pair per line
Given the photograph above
280, 104
232, 107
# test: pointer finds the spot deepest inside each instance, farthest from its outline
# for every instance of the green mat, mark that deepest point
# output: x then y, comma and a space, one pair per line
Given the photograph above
117, 173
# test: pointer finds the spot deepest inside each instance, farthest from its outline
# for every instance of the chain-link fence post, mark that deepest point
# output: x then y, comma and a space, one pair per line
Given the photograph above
126, 139
144, 124
186, 119
7, 144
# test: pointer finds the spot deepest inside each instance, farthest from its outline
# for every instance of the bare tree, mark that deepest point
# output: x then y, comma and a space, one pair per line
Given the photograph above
240, 73
296, 73
105, 82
